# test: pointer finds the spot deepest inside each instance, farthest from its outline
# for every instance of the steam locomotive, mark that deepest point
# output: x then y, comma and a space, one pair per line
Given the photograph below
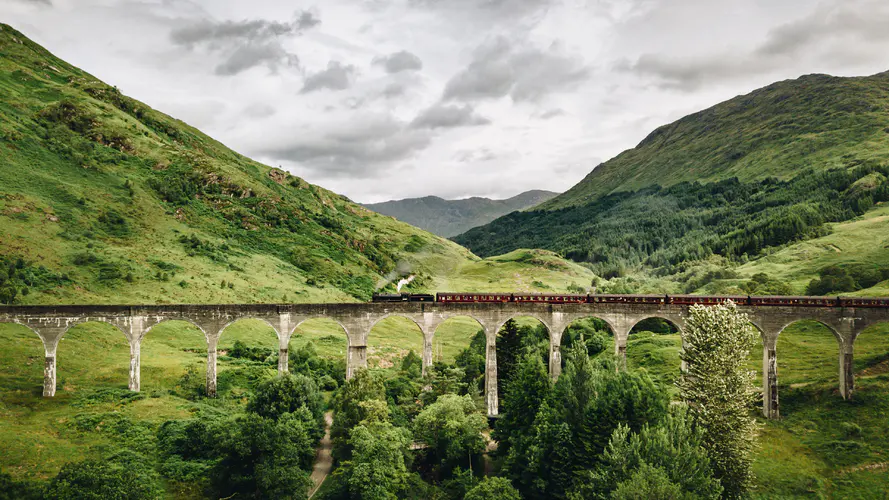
749, 300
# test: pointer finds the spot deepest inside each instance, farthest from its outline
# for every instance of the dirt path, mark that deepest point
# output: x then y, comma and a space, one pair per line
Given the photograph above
323, 460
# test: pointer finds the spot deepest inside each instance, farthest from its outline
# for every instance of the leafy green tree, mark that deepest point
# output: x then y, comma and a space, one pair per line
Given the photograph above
363, 386
288, 393
452, 428
378, 467
104, 480
472, 361
527, 390
412, 365
441, 379
264, 458
11, 489
719, 390
493, 488
648, 483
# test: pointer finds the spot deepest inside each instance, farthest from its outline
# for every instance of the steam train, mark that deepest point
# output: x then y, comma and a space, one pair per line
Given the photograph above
749, 300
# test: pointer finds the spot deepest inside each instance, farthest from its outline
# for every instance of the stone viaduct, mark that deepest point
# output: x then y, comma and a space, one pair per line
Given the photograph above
51, 323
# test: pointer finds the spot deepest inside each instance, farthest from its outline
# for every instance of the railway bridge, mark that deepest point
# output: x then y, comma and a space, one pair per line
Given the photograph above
51, 323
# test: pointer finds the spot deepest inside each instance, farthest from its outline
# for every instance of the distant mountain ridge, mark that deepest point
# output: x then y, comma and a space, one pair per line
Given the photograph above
452, 217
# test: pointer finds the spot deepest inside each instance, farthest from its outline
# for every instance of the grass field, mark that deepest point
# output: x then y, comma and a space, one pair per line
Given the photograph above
864, 240
822, 446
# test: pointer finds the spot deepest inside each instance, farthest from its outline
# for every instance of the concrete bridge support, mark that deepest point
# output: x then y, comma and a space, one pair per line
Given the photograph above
770, 407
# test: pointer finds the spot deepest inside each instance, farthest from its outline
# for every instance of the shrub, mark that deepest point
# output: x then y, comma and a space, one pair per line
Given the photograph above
286, 394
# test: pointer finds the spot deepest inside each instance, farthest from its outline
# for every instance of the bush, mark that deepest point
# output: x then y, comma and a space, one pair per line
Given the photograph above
286, 394
263, 458
493, 488
128, 478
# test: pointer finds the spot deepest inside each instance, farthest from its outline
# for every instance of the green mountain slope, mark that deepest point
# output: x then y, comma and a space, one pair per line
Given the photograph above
103, 199
452, 217
815, 121
816, 152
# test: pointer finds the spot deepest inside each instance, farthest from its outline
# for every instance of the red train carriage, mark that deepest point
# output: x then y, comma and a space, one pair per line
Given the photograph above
626, 299
549, 298
704, 300
473, 297
863, 301
779, 300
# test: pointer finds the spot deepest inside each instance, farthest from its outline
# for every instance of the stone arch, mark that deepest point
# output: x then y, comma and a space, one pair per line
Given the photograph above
871, 349
245, 318
676, 323
321, 316
833, 330
26, 358
84, 320
801, 358
386, 354
32, 330
177, 318
174, 338
436, 336
656, 349
543, 321
68, 359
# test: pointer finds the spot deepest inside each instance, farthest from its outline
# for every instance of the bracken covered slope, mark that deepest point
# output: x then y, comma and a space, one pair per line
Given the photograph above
103, 199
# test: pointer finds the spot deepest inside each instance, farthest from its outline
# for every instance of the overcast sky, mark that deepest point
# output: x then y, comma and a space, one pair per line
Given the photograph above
387, 99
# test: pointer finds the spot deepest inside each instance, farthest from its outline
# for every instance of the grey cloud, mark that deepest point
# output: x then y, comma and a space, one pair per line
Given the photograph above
551, 113
843, 30
399, 61
337, 76
248, 56
394, 90
472, 156
244, 44
306, 20
448, 116
361, 147
259, 110
499, 68
47, 3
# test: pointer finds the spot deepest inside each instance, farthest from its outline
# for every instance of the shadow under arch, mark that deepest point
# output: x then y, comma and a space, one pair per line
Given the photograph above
174, 347
22, 355
391, 338
654, 344
92, 354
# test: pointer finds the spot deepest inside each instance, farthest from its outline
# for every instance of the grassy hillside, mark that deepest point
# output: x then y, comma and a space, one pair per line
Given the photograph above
103, 199
667, 232
815, 121
452, 217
